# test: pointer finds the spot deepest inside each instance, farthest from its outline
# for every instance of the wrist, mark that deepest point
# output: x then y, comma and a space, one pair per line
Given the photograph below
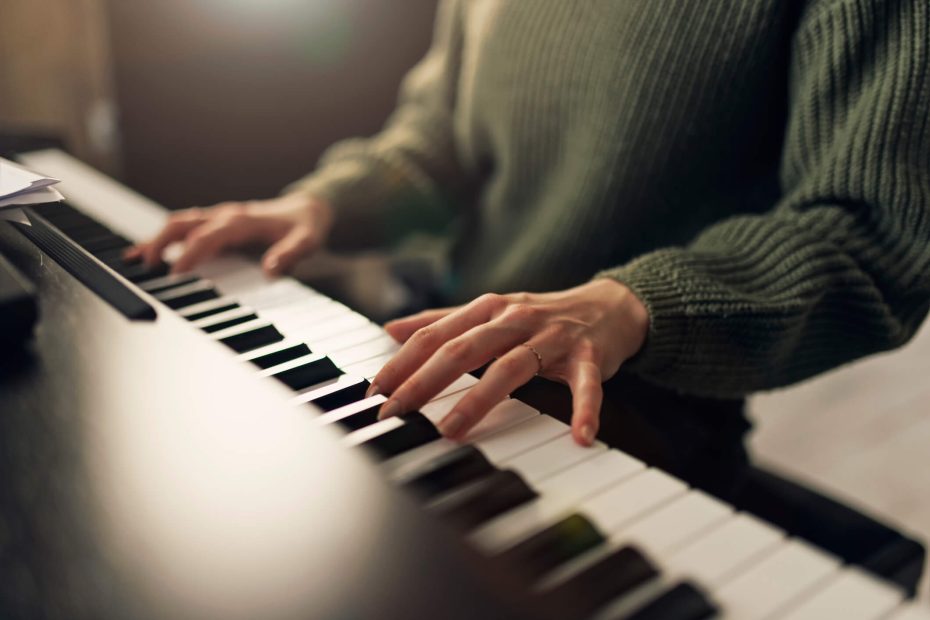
628, 313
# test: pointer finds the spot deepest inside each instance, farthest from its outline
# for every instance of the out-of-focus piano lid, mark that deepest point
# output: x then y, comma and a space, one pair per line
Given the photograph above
20, 186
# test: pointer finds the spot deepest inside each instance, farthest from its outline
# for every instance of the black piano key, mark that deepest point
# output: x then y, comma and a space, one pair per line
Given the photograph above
205, 313
461, 466
104, 242
341, 398
555, 545
239, 320
311, 373
190, 299
142, 273
114, 259
252, 339
157, 289
471, 505
682, 602
361, 419
416, 431
85, 230
609, 578
283, 355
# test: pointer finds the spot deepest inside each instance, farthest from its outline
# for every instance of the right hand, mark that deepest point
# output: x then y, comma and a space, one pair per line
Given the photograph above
292, 226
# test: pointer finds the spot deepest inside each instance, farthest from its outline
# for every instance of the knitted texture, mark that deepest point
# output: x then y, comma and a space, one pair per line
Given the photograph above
757, 171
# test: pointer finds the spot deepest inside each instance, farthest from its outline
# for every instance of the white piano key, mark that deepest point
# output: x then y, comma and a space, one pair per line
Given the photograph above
552, 457
278, 293
521, 437
724, 550
851, 595
235, 275
369, 368
438, 408
304, 314
667, 529
559, 495
291, 364
343, 412
503, 415
299, 308
374, 430
764, 588
365, 351
494, 430
340, 324
625, 502
341, 382
911, 611
349, 339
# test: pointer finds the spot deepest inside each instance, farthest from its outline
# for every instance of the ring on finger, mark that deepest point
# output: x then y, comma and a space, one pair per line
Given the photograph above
539, 358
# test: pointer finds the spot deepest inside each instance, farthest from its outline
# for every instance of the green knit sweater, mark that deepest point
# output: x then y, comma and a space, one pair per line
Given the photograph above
757, 171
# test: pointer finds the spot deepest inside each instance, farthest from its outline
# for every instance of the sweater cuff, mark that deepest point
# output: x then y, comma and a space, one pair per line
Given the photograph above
654, 279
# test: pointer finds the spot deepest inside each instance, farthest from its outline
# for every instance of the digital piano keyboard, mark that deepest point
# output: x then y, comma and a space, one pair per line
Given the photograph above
222, 460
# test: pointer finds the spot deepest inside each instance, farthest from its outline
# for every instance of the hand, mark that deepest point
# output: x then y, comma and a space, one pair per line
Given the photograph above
293, 225
579, 336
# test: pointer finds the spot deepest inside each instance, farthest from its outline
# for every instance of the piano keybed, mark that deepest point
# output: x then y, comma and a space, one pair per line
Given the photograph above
593, 527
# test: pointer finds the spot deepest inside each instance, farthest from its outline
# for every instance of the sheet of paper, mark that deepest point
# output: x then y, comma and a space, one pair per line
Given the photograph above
47, 194
17, 181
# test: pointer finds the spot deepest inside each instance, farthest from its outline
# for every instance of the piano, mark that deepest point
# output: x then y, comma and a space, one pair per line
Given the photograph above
200, 446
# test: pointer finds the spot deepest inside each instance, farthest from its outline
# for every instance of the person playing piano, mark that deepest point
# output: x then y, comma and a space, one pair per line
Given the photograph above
722, 197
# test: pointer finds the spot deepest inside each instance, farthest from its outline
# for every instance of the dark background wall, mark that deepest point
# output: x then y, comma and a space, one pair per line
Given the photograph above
233, 99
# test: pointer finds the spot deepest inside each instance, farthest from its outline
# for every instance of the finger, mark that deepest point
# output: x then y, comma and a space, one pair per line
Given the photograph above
587, 395
458, 356
401, 329
133, 252
178, 227
505, 375
427, 340
298, 242
203, 244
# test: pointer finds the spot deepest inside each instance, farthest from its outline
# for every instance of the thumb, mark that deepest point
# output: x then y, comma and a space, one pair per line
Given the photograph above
298, 242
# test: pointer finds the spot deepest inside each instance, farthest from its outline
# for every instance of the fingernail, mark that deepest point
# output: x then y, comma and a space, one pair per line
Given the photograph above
272, 264
452, 424
390, 409
373, 390
587, 434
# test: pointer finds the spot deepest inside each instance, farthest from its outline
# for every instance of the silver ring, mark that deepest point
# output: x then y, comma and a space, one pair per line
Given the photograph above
538, 356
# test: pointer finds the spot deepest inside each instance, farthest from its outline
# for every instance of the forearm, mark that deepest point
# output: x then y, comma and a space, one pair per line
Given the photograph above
841, 267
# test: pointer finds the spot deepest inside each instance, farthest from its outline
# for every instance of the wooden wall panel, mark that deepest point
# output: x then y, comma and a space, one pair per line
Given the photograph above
55, 75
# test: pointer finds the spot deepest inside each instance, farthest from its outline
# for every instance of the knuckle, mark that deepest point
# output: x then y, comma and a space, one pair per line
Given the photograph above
519, 298
508, 365
425, 337
491, 300
458, 350
522, 313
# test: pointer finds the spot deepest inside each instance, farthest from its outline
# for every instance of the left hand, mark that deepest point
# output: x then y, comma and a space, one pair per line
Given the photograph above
579, 336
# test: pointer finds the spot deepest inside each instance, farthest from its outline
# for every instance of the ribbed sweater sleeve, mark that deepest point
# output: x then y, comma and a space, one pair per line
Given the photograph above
840, 268
406, 174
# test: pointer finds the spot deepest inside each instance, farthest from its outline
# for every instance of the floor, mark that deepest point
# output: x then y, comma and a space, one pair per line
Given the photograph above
861, 433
